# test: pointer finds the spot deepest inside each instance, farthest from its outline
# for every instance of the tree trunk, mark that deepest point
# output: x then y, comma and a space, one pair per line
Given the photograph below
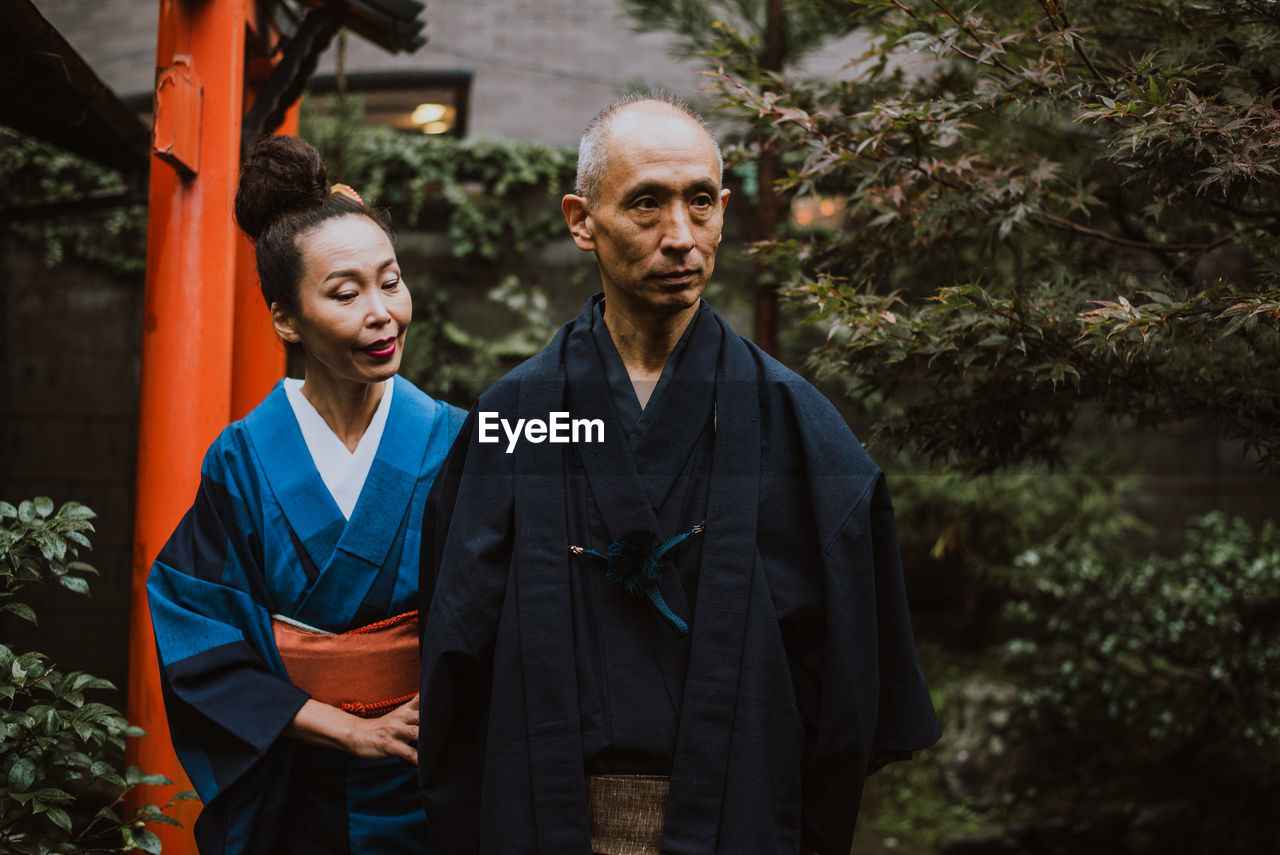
766, 220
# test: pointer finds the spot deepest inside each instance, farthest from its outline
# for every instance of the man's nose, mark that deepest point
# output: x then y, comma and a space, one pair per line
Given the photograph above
678, 235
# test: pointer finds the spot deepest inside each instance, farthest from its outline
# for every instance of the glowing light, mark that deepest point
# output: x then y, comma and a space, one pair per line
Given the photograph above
425, 114
436, 127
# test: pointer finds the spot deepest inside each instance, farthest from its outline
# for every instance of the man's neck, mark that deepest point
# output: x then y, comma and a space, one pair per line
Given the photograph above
645, 343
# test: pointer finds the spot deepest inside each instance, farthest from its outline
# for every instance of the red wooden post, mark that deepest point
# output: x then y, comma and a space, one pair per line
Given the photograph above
258, 359
187, 327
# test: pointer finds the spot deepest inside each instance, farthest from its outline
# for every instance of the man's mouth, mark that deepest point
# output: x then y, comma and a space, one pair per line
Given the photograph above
676, 275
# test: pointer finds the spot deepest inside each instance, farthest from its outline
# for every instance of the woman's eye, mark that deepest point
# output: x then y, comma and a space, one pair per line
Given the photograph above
345, 296
391, 284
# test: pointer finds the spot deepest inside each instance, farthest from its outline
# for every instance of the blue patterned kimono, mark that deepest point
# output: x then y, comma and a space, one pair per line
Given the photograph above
265, 536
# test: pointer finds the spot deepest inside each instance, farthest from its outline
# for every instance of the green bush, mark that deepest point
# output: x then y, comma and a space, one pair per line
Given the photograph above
61, 784
33, 172
1156, 656
1048, 217
960, 533
494, 198
985, 521
451, 364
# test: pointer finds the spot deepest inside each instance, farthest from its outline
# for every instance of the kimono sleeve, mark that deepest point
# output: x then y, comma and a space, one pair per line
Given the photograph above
874, 704
226, 696
466, 554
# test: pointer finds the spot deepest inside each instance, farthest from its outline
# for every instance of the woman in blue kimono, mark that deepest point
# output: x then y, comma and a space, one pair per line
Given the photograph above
283, 602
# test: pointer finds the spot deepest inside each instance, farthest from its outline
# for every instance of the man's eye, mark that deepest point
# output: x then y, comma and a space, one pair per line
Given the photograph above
702, 200
647, 203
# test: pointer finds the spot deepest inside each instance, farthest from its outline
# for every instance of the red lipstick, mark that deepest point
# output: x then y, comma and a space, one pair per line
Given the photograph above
383, 349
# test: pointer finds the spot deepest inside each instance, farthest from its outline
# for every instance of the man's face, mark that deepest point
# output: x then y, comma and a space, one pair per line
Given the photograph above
657, 224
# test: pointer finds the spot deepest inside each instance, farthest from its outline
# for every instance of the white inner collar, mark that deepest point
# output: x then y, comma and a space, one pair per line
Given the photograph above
342, 470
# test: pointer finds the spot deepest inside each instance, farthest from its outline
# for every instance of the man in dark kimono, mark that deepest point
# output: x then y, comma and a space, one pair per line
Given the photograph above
666, 609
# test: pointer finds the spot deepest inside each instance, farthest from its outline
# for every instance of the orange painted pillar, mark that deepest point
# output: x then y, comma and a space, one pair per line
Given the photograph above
187, 328
259, 355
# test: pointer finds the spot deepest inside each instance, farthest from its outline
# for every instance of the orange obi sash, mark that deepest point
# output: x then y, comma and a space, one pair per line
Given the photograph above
365, 671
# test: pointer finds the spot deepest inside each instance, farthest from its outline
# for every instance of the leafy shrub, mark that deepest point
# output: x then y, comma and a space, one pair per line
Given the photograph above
450, 363
1160, 655
1050, 211
33, 172
960, 533
987, 520
61, 788
494, 198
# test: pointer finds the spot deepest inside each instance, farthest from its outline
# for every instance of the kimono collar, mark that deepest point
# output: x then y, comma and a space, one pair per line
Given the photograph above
313, 516
624, 393
649, 453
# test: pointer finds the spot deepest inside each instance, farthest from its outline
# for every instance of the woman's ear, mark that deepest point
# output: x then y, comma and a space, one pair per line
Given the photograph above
284, 323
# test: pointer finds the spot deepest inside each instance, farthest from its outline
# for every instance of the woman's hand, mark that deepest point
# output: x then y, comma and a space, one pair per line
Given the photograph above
391, 734
394, 734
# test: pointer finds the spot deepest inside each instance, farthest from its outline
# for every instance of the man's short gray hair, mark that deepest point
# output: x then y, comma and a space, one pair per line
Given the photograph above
592, 156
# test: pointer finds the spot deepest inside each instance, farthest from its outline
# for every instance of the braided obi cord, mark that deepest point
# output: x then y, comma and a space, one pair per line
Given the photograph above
635, 562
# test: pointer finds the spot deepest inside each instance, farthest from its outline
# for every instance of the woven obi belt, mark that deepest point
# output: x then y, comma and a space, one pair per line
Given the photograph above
365, 671
626, 813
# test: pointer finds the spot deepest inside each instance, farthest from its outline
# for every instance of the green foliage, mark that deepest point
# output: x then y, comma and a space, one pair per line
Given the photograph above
34, 172
449, 363
494, 198
1044, 213
1162, 655
985, 521
61, 788
908, 802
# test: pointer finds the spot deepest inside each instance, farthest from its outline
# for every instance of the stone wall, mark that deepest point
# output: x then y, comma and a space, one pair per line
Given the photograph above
69, 373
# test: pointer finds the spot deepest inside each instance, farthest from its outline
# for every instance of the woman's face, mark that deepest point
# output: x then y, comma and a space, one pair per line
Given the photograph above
353, 308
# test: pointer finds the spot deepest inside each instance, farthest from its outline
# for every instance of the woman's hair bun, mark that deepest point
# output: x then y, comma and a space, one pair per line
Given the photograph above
281, 176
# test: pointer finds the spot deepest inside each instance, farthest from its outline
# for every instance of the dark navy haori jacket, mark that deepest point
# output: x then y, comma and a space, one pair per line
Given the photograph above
548, 656
264, 537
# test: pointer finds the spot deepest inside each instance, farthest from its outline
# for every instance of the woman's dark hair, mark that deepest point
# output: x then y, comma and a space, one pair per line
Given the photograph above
283, 192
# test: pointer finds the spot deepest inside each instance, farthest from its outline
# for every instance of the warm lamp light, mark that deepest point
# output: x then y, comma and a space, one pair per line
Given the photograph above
425, 114
825, 211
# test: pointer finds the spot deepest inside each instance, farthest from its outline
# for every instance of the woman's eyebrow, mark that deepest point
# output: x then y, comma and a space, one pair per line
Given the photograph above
355, 274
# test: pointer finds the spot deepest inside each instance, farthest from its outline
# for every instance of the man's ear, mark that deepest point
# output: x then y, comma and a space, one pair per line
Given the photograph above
284, 324
578, 219
724, 203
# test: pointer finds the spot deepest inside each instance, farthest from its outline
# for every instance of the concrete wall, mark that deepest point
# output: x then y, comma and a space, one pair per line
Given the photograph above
541, 67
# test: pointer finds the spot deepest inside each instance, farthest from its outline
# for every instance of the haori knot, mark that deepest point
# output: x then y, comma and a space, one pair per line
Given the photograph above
635, 564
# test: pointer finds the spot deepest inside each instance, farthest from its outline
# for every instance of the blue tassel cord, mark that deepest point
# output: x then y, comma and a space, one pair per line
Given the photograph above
635, 564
